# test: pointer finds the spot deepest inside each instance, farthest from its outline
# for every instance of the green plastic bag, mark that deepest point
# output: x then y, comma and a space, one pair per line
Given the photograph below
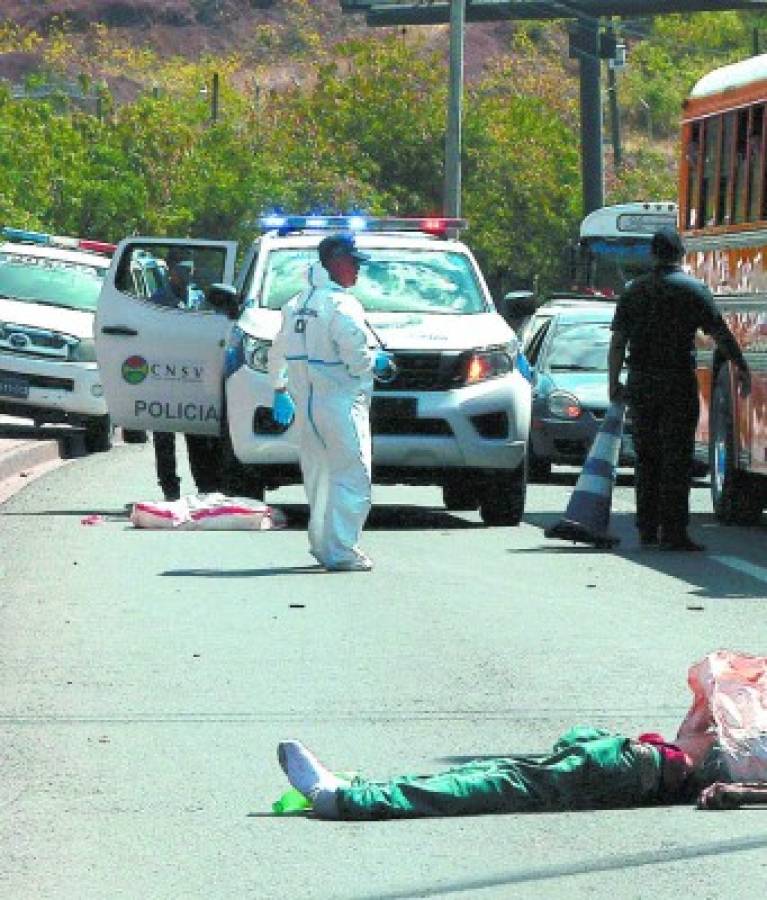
293, 801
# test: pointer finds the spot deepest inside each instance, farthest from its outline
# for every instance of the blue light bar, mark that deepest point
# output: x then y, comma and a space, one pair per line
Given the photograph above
21, 235
436, 225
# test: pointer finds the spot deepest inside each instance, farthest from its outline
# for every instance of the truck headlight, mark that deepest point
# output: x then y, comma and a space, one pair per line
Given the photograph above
83, 351
563, 405
483, 364
255, 353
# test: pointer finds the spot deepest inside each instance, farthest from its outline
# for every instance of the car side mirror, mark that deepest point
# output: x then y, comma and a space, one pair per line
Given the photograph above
224, 298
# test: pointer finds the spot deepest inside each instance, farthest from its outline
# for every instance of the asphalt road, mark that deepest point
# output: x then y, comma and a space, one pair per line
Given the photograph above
146, 678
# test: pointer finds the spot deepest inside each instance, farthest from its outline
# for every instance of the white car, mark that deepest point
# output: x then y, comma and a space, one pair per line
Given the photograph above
457, 414
49, 288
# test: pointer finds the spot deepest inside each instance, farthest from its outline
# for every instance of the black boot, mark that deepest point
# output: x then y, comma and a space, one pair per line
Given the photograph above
679, 540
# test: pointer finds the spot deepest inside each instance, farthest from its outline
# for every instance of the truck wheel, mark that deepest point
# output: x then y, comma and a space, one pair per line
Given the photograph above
459, 497
503, 502
539, 468
737, 498
98, 434
238, 480
134, 436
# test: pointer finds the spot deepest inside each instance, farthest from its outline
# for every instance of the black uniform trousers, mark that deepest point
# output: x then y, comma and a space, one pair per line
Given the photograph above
204, 461
664, 412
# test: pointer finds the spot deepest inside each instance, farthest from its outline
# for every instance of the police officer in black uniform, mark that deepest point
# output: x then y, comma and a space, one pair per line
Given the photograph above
205, 452
656, 319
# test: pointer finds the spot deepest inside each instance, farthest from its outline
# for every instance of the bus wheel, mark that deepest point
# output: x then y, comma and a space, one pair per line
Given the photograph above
736, 498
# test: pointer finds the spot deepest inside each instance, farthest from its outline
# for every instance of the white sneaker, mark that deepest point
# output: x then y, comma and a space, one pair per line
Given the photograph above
305, 772
358, 563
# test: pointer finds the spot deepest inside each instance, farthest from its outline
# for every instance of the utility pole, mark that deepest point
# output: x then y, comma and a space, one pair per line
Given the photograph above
214, 100
452, 190
587, 13
617, 61
585, 47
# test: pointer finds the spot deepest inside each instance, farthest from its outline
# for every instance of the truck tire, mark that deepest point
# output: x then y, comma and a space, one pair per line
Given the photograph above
98, 434
539, 468
134, 436
458, 497
503, 500
237, 479
737, 498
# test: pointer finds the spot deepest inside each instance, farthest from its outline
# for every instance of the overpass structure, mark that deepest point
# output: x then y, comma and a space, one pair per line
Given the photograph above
588, 43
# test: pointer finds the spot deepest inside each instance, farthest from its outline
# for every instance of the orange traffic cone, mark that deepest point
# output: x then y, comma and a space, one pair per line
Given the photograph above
588, 512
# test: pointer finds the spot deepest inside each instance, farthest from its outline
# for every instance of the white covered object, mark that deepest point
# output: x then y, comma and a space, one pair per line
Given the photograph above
207, 512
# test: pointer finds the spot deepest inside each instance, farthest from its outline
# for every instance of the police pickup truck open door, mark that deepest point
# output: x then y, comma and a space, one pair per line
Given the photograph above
160, 343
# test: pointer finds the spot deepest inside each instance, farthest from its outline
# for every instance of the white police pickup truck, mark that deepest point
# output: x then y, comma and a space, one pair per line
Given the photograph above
457, 414
49, 286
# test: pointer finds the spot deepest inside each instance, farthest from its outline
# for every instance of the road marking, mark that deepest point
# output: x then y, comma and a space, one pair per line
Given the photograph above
740, 565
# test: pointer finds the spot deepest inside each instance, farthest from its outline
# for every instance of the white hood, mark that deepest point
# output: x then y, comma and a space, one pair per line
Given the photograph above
405, 331
414, 331
53, 318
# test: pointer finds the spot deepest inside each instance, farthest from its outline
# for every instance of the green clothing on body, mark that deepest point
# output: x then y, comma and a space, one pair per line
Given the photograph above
588, 768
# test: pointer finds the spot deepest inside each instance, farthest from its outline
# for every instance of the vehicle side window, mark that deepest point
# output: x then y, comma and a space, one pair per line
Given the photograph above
173, 276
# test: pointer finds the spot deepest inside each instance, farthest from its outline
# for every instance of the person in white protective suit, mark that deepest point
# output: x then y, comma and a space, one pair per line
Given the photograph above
322, 372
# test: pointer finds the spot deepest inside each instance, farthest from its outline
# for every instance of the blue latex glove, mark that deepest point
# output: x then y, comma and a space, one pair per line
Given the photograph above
383, 363
283, 408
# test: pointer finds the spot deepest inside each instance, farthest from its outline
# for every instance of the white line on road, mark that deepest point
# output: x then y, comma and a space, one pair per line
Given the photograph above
740, 565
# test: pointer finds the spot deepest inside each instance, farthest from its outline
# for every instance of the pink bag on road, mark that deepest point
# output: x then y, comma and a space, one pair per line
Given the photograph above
208, 512
729, 707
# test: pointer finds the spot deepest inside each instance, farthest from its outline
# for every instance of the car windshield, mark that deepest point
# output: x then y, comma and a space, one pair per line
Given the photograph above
394, 280
579, 347
43, 279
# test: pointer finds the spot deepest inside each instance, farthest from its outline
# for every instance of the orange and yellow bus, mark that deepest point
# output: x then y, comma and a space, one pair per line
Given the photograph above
723, 220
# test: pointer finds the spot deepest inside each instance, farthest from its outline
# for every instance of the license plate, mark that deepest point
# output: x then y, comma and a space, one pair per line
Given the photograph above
14, 387
393, 408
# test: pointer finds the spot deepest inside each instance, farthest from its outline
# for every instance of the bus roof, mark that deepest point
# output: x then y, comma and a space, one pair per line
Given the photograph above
629, 219
729, 78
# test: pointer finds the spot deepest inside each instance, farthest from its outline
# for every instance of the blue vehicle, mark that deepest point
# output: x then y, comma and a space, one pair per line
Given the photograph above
567, 349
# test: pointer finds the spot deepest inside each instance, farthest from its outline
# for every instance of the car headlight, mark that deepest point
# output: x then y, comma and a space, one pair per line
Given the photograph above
563, 405
255, 352
483, 364
83, 350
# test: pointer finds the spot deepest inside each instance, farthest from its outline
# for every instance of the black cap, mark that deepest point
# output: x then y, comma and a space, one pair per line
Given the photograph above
666, 245
336, 245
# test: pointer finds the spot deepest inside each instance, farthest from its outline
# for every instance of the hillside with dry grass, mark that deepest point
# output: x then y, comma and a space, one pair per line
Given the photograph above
276, 38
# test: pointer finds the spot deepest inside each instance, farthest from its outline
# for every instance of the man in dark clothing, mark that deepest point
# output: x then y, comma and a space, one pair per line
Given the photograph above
204, 452
656, 319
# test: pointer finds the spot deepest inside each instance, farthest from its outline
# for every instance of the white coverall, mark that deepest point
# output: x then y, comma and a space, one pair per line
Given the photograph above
321, 355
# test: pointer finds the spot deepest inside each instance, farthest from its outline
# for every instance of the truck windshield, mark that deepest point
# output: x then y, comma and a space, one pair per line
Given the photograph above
394, 280
55, 282
612, 262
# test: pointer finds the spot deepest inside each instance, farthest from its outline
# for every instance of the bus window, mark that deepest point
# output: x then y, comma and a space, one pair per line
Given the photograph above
756, 163
713, 128
740, 186
693, 179
725, 170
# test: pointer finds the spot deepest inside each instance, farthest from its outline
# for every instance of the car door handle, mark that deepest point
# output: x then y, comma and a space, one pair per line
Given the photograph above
119, 329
